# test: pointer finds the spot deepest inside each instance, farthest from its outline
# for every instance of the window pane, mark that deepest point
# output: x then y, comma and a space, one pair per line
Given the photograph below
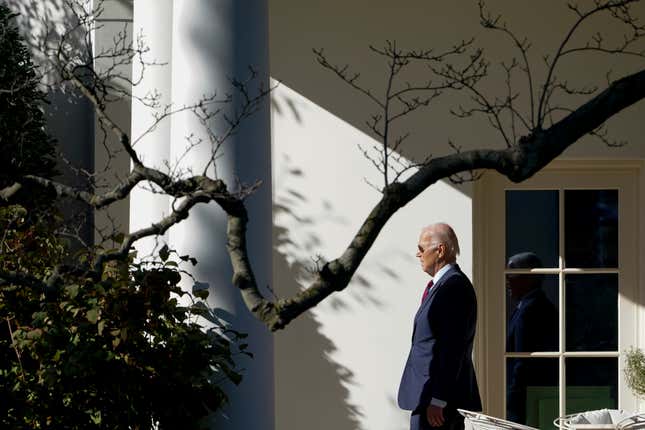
532, 224
591, 312
532, 313
591, 223
591, 383
532, 391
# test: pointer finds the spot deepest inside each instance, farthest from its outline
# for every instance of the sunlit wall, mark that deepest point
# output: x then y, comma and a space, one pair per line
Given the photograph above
341, 363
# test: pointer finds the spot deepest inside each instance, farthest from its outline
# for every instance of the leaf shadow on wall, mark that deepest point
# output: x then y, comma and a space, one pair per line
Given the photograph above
310, 388
311, 379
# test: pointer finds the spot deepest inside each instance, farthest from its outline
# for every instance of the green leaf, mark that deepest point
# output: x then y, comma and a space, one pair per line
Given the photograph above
39, 316
72, 290
100, 327
235, 377
164, 253
34, 334
200, 289
193, 260
202, 294
95, 416
93, 315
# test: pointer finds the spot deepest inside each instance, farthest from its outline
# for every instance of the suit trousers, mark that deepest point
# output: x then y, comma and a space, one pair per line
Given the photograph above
453, 420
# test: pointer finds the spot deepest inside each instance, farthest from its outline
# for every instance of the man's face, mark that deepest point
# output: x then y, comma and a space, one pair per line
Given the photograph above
428, 253
515, 285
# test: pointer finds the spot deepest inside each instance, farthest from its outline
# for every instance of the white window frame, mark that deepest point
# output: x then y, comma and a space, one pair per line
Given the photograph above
489, 268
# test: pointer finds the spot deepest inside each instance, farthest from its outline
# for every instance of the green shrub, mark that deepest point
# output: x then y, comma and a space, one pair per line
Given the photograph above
121, 352
635, 371
26, 147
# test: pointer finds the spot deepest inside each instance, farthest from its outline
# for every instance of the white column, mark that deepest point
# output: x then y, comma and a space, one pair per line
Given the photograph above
212, 42
152, 20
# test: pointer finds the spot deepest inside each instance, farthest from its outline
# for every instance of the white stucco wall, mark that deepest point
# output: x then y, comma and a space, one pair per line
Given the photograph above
338, 366
341, 363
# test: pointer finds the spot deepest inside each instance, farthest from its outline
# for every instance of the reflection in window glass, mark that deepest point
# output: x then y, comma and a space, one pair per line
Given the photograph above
532, 313
532, 391
591, 223
532, 224
591, 312
591, 383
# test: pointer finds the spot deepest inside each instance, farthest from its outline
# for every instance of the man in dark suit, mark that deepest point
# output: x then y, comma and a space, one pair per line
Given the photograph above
439, 376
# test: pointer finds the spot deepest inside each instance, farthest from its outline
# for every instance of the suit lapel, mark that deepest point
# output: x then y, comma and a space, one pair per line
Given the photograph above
433, 292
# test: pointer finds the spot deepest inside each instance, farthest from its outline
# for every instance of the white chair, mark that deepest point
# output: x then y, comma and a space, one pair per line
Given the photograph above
479, 421
615, 419
636, 421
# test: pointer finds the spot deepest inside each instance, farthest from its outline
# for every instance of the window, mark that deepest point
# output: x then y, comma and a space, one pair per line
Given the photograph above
558, 275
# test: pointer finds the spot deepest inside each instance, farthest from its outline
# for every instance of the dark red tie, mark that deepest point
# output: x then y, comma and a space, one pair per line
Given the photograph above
426, 291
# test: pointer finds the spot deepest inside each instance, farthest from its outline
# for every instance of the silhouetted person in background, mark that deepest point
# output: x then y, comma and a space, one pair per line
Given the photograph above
532, 327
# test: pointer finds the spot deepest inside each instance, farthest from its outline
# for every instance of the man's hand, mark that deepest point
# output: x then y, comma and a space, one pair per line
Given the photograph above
434, 414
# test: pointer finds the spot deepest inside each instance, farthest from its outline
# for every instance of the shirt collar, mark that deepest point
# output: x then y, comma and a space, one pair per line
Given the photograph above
437, 276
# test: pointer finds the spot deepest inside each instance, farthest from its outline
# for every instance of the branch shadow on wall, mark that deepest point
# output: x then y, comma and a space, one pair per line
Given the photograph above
313, 389
315, 395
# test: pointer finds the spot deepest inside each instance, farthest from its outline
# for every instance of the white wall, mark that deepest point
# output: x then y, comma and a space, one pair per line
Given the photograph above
342, 362
339, 365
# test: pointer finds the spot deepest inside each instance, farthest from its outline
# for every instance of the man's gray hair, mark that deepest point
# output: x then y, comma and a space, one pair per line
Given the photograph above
443, 233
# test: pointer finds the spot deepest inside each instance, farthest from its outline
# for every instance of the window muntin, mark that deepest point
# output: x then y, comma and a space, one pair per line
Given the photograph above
579, 284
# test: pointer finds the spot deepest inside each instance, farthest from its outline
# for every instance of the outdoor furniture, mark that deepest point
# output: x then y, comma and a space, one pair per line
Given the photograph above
600, 419
632, 423
479, 421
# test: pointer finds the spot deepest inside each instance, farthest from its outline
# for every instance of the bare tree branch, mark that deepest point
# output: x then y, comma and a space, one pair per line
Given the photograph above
517, 163
488, 21
343, 73
600, 6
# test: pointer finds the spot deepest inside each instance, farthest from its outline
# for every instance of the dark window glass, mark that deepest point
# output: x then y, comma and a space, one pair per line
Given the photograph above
532, 391
591, 223
591, 312
591, 383
532, 313
532, 224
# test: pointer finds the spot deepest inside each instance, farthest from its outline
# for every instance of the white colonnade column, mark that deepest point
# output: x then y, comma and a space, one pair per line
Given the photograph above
213, 41
152, 20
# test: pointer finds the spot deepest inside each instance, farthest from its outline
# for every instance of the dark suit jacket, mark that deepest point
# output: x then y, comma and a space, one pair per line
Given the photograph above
533, 327
439, 364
